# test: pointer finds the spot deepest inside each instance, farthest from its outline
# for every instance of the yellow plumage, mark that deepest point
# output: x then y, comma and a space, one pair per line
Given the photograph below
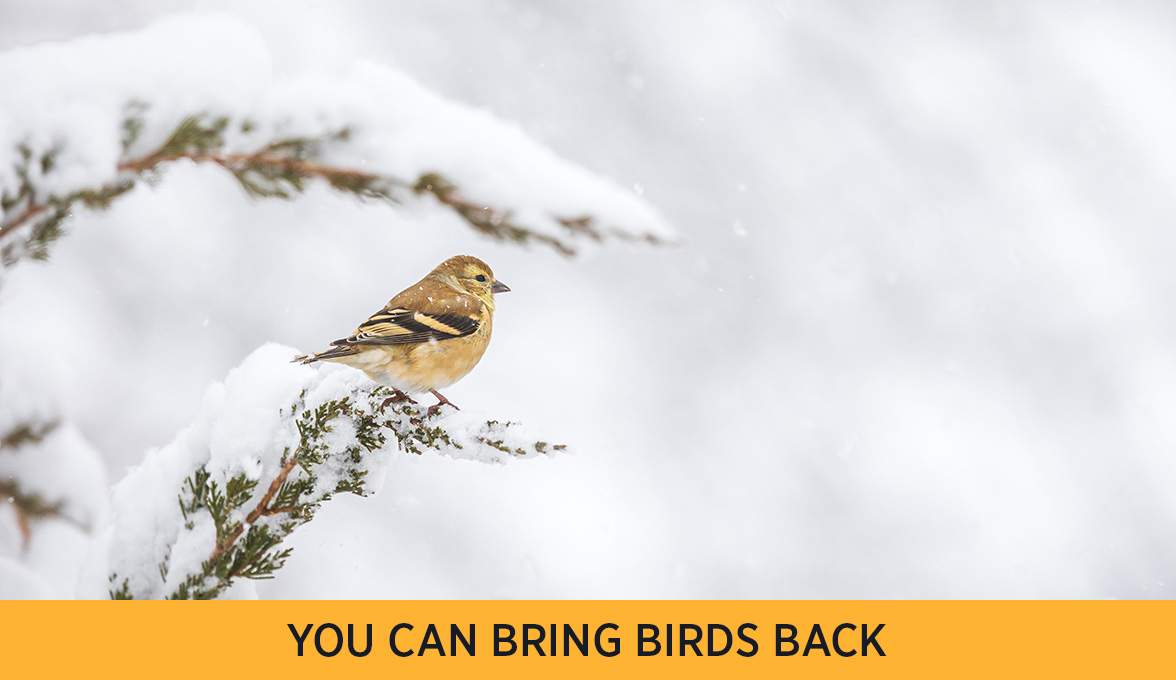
427, 337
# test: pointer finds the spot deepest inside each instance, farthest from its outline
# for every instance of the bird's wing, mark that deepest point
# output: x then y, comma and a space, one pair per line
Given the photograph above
400, 326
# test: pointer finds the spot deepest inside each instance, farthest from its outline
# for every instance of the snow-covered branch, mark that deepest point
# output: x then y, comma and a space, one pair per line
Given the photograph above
26, 505
86, 123
33, 453
270, 445
370, 132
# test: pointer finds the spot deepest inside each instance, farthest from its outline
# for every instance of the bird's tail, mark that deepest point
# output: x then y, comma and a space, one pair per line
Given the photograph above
326, 355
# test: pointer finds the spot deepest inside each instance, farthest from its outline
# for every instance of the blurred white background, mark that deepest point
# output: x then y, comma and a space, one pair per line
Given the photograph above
919, 340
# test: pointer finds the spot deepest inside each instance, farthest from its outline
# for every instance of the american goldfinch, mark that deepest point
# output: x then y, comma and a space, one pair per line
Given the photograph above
428, 336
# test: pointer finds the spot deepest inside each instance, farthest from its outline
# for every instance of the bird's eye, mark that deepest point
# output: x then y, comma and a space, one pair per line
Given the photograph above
481, 278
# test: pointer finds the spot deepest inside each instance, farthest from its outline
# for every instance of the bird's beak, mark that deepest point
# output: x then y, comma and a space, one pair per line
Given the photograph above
499, 287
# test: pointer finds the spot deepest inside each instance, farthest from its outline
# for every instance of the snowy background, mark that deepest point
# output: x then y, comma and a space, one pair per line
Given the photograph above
919, 339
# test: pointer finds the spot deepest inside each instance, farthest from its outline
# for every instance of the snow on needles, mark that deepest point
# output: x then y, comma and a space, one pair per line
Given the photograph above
80, 109
189, 65
249, 425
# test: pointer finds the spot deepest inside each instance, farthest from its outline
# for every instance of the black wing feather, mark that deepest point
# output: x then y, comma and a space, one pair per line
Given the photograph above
404, 326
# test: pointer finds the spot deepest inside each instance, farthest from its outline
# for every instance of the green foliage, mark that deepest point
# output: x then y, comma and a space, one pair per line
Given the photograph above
132, 126
43, 216
249, 524
26, 433
27, 504
496, 224
250, 518
281, 168
494, 427
123, 592
195, 135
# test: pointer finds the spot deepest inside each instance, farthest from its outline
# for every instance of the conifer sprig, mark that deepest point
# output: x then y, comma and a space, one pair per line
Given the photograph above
337, 440
28, 505
281, 168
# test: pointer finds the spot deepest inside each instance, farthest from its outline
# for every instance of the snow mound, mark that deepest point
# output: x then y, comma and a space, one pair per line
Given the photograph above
248, 426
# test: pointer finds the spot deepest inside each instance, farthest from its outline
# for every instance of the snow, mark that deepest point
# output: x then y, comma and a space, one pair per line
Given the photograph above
216, 66
63, 469
940, 365
20, 582
247, 425
81, 107
81, 492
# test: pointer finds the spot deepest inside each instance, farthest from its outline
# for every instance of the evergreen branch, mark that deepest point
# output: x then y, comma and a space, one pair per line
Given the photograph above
494, 223
338, 440
279, 168
32, 209
32, 506
28, 506
27, 433
262, 508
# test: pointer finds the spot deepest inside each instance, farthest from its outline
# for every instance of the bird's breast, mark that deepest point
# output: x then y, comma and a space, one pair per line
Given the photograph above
428, 365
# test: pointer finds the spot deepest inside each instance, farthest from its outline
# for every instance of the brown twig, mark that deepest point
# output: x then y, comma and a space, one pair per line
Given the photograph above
22, 524
228, 161
482, 217
29, 213
233, 160
26, 433
31, 506
262, 509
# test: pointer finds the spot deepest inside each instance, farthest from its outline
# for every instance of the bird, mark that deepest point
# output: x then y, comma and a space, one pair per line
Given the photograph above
429, 336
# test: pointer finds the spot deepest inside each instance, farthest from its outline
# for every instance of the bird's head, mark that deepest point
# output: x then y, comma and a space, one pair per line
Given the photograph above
470, 275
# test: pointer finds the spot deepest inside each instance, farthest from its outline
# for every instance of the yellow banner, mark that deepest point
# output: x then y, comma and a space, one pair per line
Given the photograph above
585, 638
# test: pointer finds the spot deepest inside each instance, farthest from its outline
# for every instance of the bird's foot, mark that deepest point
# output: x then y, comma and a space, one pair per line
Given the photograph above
397, 395
441, 401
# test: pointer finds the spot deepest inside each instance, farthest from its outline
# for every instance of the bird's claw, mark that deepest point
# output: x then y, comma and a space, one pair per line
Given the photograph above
441, 401
397, 395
